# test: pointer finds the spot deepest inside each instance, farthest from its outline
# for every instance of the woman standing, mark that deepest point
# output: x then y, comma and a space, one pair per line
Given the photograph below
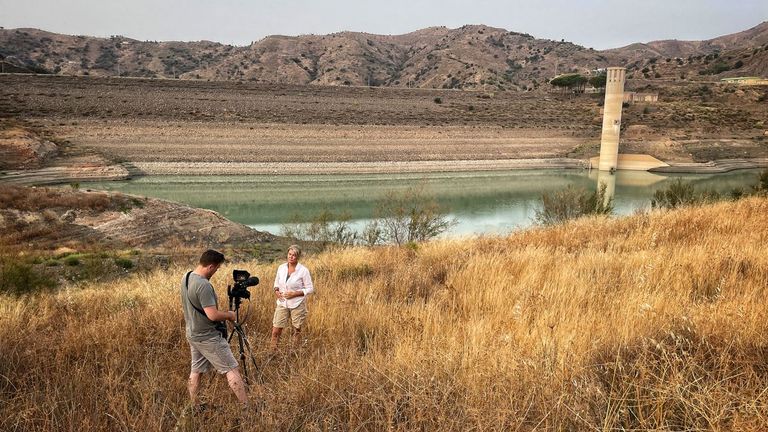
292, 284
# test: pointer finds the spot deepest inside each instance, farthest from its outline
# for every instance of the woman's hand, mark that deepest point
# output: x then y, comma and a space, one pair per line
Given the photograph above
278, 295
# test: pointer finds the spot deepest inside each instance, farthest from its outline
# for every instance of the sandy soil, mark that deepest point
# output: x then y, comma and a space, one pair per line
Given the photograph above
152, 141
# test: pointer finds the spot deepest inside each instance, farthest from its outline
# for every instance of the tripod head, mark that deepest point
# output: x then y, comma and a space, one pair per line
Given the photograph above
239, 291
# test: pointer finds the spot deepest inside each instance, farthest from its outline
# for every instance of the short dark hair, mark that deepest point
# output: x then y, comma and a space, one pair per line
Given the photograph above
211, 257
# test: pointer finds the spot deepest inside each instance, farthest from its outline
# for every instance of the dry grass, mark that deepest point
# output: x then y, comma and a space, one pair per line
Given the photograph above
652, 322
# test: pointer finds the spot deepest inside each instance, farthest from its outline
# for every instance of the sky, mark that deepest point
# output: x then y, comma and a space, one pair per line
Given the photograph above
599, 24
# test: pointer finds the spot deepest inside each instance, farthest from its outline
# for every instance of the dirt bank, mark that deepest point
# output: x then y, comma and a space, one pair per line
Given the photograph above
51, 218
713, 167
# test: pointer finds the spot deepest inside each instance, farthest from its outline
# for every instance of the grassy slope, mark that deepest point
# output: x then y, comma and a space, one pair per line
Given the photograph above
655, 321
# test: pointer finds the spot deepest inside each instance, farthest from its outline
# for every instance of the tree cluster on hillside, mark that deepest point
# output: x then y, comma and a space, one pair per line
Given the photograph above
570, 82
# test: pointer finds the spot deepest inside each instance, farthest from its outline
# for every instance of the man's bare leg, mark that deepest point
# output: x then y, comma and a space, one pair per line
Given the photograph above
237, 385
193, 385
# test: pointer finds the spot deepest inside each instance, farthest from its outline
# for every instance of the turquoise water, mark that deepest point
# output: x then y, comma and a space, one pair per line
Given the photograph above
481, 202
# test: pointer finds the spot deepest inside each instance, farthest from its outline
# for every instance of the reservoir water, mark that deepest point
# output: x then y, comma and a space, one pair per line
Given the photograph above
481, 202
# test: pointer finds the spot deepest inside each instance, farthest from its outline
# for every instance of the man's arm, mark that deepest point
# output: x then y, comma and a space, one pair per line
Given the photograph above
207, 298
214, 314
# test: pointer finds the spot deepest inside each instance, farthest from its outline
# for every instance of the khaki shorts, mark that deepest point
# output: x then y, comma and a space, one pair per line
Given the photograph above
214, 352
297, 316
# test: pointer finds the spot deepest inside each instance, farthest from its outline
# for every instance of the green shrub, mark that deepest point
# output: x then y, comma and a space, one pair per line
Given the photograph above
399, 218
411, 216
572, 203
72, 260
762, 183
19, 278
675, 195
326, 226
679, 194
372, 233
124, 263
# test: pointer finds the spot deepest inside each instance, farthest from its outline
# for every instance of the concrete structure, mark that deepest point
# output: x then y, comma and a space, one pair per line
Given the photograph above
746, 80
632, 162
614, 97
640, 97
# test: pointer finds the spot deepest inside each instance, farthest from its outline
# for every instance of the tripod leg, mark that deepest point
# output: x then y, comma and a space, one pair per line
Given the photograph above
253, 359
240, 338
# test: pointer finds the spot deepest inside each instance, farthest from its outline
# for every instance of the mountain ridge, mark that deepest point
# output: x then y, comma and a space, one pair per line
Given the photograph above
472, 56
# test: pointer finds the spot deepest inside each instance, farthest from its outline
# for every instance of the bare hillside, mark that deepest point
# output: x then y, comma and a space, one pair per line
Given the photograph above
469, 57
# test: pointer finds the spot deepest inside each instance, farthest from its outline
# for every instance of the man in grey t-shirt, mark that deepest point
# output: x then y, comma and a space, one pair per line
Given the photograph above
201, 313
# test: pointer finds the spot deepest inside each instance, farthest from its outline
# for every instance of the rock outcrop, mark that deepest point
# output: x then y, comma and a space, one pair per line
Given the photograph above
50, 218
23, 149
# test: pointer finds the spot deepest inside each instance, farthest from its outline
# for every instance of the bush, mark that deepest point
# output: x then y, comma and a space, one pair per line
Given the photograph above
372, 233
675, 195
411, 216
679, 194
400, 218
124, 263
19, 278
438, 100
572, 203
330, 227
762, 183
716, 68
327, 227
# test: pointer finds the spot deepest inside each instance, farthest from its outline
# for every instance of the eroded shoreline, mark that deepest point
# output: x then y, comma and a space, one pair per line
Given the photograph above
126, 171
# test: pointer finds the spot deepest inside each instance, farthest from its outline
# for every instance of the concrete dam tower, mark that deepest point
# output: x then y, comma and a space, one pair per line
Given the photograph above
609, 140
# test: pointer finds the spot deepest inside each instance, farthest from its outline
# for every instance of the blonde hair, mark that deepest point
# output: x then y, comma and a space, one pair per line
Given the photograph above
296, 249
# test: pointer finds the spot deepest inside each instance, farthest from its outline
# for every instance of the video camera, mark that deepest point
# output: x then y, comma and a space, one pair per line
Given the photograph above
243, 280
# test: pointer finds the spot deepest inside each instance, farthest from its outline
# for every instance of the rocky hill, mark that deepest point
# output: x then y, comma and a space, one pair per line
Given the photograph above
469, 57
738, 54
49, 218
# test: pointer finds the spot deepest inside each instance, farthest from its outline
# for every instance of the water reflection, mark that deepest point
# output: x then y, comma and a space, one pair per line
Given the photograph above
482, 202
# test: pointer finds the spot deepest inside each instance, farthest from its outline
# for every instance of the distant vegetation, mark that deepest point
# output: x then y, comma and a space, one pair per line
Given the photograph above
574, 82
410, 216
572, 203
680, 193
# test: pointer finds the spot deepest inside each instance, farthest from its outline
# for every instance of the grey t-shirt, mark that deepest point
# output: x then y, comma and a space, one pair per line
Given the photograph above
201, 294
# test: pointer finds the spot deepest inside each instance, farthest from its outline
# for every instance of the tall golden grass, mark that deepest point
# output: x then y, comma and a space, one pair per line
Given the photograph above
657, 321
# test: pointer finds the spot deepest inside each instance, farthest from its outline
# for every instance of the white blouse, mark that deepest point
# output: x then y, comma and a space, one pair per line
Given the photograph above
299, 280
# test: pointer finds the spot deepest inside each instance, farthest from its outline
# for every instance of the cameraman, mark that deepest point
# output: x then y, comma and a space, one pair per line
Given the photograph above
204, 322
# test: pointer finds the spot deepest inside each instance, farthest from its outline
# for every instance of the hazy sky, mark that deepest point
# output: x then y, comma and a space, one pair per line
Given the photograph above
598, 24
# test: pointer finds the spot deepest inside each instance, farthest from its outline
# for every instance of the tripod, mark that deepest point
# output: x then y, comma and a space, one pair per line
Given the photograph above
242, 340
